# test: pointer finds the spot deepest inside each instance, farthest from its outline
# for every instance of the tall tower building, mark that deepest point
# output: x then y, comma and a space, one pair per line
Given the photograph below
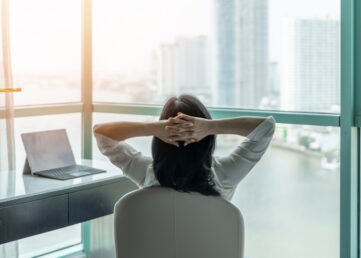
225, 52
274, 78
241, 52
311, 65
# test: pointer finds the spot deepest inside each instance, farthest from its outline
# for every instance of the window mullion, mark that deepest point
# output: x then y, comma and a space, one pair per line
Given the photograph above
348, 136
321, 119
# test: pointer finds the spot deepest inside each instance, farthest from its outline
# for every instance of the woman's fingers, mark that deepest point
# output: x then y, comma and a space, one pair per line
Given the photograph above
178, 129
176, 120
181, 119
189, 141
188, 134
185, 126
182, 137
169, 141
185, 117
171, 128
188, 138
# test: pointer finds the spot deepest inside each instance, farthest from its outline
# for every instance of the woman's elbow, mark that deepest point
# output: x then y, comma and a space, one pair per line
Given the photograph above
97, 128
272, 124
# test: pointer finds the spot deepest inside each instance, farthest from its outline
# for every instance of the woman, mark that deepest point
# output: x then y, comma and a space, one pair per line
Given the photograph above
183, 146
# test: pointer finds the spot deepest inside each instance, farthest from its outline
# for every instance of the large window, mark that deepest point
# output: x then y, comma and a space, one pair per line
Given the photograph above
45, 56
267, 54
45, 47
240, 57
293, 193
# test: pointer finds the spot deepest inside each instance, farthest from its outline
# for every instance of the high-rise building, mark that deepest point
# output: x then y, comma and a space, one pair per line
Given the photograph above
311, 65
241, 52
274, 78
184, 67
225, 52
272, 100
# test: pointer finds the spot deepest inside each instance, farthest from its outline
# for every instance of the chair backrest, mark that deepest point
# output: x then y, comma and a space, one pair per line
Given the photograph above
159, 222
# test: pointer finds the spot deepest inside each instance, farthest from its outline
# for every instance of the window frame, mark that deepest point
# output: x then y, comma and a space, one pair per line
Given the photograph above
349, 118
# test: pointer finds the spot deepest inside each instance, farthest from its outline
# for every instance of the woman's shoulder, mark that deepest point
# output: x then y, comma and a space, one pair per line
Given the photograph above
150, 179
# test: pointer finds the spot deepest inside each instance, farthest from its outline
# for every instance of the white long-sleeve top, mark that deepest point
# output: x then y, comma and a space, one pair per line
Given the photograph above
227, 171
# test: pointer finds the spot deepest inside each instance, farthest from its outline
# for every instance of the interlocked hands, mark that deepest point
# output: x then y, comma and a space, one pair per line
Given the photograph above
184, 128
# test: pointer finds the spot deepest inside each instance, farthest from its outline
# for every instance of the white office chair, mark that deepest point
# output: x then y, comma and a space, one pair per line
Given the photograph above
159, 222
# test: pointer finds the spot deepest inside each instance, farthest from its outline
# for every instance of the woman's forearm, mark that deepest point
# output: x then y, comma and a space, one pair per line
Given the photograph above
239, 125
172, 130
123, 130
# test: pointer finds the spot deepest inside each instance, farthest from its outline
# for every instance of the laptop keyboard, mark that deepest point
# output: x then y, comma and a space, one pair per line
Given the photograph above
69, 172
66, 170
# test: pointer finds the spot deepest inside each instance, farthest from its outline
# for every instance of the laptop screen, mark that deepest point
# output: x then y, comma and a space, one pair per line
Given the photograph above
48, 149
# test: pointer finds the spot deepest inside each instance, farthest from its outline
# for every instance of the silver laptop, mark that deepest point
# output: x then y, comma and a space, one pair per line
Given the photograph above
49, 154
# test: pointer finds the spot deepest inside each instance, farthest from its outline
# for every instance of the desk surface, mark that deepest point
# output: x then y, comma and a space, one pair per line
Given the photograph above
18, 188
31, 205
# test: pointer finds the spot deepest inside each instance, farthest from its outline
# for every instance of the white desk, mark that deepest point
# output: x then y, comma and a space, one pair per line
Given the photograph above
31, 205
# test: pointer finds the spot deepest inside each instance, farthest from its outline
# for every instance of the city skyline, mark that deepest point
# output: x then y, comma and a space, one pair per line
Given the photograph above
109, 32
256, 50
306, 78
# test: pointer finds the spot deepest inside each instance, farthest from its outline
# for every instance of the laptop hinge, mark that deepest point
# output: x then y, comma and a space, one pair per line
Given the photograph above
27, 169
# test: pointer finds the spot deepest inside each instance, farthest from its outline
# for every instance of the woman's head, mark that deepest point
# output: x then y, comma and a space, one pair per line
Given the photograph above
185, 168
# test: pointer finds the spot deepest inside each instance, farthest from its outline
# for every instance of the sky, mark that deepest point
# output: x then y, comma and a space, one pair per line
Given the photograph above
46, 34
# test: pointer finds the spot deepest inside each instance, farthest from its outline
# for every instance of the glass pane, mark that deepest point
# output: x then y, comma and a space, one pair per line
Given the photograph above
52, 240
262, 54
45, 49
290, 200
3, 145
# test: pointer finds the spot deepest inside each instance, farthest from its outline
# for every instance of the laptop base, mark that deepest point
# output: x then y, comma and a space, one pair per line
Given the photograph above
70, 172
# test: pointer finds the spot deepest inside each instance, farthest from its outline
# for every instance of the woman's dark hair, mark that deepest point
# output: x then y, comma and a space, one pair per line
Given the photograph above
185, 168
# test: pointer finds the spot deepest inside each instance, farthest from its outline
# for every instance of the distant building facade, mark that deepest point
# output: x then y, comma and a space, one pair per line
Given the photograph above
184, 67
311, 65
241, 52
